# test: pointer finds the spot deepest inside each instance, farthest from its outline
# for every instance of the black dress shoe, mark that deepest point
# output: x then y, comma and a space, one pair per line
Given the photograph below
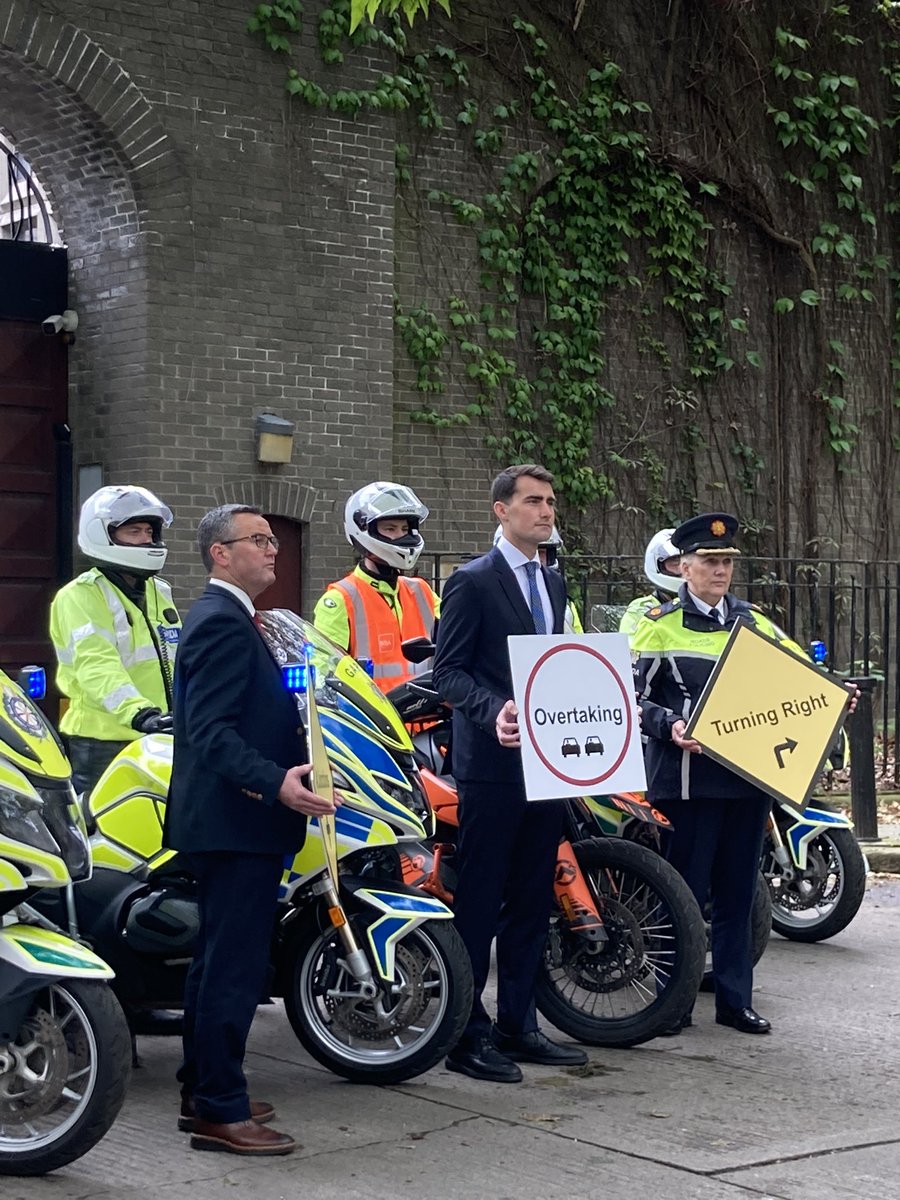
744, 1020
536, 1048
479, 1060
673, 1030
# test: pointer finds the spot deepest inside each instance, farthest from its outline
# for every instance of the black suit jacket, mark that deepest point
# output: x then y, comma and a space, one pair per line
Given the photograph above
481, 605
237, 730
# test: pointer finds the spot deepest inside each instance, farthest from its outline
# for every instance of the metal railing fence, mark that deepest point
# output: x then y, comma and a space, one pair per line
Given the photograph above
851, 606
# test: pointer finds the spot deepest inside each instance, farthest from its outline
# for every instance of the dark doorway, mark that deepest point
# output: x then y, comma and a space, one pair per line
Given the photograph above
33, 474
285, 592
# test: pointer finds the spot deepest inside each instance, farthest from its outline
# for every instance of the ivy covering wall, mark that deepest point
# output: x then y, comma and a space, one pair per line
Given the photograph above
657, 252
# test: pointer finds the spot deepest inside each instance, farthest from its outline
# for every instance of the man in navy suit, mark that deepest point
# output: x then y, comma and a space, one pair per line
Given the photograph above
237, 805
507, 846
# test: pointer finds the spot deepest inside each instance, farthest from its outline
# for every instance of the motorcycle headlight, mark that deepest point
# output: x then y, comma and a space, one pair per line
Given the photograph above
63, 816
21, 820
415, 799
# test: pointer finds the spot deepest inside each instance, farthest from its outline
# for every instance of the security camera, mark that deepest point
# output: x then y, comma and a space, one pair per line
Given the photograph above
66, 322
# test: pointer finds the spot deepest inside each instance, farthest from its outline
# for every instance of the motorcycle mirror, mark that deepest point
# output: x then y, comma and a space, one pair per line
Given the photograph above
33, 682
417, 649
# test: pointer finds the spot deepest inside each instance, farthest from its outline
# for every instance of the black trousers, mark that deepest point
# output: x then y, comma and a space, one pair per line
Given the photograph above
507, 855
237, 895
89, 758
715, 847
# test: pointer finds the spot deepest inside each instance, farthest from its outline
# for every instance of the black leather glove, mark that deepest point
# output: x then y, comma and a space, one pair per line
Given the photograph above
151, 720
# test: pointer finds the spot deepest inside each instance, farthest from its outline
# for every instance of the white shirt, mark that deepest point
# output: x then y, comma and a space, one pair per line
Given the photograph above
236, 591
717, 610
517, 561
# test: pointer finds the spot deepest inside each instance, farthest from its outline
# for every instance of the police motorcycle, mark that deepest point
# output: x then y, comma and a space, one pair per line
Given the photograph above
812, 870
64, 1044
378, 1000
626, 942
812, 862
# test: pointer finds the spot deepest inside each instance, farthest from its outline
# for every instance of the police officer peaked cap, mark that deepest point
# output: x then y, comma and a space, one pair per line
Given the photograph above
710, 533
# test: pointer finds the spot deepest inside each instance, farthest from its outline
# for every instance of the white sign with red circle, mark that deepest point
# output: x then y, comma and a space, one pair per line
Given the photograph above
577, 714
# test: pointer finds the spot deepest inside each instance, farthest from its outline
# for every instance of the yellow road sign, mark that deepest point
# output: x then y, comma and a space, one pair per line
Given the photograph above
768, 715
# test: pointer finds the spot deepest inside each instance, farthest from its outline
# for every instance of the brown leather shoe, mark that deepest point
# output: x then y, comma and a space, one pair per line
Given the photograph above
260, 1112
240, 1137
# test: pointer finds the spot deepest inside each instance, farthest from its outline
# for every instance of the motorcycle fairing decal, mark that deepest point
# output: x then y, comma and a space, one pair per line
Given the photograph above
354, 831
808, 828
366, 749
46, 869
11, 879
609, 818
43, 952
368, 791
135, 823
401, 914
106, 853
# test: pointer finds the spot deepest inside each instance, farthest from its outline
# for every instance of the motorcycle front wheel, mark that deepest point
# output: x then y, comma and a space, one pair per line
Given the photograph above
405, 1030
62, 1078
826, 896
644, 978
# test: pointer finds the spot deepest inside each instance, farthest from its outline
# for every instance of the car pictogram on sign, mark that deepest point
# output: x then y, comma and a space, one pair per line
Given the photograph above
593, 745
569, 747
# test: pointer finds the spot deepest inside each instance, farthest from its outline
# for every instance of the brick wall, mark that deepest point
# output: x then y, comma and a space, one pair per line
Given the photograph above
229, 255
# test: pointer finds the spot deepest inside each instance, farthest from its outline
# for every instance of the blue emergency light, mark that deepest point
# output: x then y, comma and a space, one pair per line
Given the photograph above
294, 676
33, 682
818, 651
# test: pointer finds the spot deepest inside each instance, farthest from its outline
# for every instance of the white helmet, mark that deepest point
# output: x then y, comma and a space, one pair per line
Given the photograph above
113, 506
378, 502
659, 548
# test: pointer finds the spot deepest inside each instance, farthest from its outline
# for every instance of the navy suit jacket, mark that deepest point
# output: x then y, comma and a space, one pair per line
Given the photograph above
481, 605
237, 730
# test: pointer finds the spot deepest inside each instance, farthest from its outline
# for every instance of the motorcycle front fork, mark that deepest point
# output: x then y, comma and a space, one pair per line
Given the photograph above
780, 852
355, 962
573, 895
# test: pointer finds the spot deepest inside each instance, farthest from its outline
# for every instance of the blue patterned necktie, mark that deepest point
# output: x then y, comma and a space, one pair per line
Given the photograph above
534, 599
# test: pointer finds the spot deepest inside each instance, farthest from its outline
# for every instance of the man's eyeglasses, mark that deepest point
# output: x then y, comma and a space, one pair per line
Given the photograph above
259, 540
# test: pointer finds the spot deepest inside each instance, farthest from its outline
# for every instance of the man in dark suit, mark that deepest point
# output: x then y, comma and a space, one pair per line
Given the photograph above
237, 806
507, 846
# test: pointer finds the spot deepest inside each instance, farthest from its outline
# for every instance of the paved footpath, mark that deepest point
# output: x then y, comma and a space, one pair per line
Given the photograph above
807, 1113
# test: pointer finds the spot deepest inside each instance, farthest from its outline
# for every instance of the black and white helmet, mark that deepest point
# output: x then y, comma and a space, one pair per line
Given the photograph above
382, 501
111, 507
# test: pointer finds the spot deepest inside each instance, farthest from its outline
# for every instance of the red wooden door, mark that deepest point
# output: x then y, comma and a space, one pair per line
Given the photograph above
33, 399
285, 591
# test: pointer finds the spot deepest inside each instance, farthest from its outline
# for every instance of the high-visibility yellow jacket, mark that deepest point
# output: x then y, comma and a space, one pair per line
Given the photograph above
370, 619
113, 659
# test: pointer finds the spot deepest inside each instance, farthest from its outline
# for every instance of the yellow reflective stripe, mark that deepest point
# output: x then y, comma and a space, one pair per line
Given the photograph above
127, 692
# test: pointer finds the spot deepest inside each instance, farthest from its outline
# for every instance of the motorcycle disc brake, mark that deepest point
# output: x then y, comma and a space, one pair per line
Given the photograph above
32, 1085
358, 1018
809, 888
611, 966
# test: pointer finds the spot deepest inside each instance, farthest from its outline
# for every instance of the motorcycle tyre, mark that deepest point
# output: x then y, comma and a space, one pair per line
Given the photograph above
304, 939
113, 1041
853, 867
599, 854
761, 923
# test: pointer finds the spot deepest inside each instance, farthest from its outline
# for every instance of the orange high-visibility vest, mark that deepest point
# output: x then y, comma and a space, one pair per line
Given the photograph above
375, 632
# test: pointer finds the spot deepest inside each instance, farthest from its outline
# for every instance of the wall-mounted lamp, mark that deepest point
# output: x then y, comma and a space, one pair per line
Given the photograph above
274, 438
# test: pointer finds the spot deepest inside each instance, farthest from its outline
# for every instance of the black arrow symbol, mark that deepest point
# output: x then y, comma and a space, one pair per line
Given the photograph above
790, 745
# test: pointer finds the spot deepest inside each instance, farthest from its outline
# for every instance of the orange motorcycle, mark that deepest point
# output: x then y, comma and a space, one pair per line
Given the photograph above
626, 942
